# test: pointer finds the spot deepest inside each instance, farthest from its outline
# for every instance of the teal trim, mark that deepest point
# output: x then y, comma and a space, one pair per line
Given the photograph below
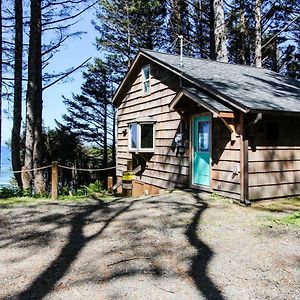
201, 150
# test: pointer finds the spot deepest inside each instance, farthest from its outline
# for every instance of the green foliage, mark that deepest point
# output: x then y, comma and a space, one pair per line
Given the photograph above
9, 192
90, 114
293, 219
126, 26
19, 201
96, 187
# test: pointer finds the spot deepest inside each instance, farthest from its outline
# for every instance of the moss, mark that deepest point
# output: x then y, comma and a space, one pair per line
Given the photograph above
293, 218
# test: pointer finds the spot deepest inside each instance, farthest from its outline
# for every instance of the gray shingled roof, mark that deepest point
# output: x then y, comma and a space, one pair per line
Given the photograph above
202, 98
250, 88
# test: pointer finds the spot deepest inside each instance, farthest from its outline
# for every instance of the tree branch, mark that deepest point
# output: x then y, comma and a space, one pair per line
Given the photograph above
66, 75
279, 32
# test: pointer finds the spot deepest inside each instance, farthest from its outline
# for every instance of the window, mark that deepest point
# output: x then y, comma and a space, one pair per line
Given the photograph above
203, 134
141, 137
133, 136
146, 79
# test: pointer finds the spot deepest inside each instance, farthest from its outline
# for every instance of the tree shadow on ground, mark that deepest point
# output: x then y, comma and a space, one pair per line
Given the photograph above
204, 254
45, 282
147, 233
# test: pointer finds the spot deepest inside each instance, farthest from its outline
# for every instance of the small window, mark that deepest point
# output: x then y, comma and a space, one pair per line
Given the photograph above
133, 136
141, 137
146, 79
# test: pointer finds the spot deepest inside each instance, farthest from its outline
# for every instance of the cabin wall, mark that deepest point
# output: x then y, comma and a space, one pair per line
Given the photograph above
165, 168
225, 161
274, 157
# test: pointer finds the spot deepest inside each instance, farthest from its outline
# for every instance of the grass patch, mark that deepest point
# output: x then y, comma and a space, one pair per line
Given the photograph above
61, 199
279, 205
21, 201
293, 219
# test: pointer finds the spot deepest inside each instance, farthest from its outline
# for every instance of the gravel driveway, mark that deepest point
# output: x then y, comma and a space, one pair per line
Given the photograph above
173, 246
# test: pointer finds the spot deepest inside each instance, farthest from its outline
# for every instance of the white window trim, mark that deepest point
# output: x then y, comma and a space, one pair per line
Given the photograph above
139, 148
145, 80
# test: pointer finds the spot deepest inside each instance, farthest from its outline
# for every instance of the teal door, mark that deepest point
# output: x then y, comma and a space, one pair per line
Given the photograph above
201, 150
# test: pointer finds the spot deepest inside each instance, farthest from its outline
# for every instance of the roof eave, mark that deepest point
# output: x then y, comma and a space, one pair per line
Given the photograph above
116, 96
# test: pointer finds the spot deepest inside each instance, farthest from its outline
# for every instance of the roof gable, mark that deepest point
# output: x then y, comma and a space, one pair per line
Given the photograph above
246, 88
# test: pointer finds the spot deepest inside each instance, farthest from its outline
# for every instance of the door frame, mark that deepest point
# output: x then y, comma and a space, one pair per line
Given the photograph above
191, 152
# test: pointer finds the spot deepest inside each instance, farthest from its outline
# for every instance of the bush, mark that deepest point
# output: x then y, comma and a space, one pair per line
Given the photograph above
9, 192
96, 187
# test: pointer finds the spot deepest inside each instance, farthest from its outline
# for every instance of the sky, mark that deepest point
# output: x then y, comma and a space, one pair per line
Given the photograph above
75, 51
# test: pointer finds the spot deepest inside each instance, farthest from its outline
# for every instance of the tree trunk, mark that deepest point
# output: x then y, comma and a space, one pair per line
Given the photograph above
17, 114
1, 63
242, 59
258, 54
199, 29
219, 31
274, 49
212, 40
114, 137
33, 143
105, 156
128, 36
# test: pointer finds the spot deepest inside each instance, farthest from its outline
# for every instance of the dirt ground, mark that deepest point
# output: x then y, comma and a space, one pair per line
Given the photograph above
173, 246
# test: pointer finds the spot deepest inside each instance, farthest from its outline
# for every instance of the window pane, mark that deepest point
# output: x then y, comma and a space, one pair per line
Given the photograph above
133, 130
146, 73
203, 136
146, 86
146, 136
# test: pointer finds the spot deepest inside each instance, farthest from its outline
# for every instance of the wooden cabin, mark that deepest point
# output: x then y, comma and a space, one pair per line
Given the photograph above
218, 127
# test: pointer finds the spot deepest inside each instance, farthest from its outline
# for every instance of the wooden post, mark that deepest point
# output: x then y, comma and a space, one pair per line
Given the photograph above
129, 165
26, 178
54, 180
127, 180
110, 184
244, 175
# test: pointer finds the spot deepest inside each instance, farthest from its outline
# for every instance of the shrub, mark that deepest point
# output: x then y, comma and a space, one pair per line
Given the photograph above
96, 187
9, 192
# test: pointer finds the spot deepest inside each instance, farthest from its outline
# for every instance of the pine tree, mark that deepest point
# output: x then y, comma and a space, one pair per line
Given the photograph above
180, 24
258, 37
220, 51
200, 27
126, 26
91, 114
33, 139
18, 72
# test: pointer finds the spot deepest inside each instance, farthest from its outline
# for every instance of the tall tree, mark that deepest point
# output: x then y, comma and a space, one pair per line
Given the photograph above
126, 26
179, 24
17, 113
258, 56
33, 136
221, 53
1, 62
91, 114
201, 28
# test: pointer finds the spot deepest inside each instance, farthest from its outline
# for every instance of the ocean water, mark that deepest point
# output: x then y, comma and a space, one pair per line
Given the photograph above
5, 171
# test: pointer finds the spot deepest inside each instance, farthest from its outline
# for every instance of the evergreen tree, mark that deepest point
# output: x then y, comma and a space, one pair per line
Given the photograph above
180, 24
33, 136
200, 27
240, 29
258, 33
18, 73
91, 114
126, 26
